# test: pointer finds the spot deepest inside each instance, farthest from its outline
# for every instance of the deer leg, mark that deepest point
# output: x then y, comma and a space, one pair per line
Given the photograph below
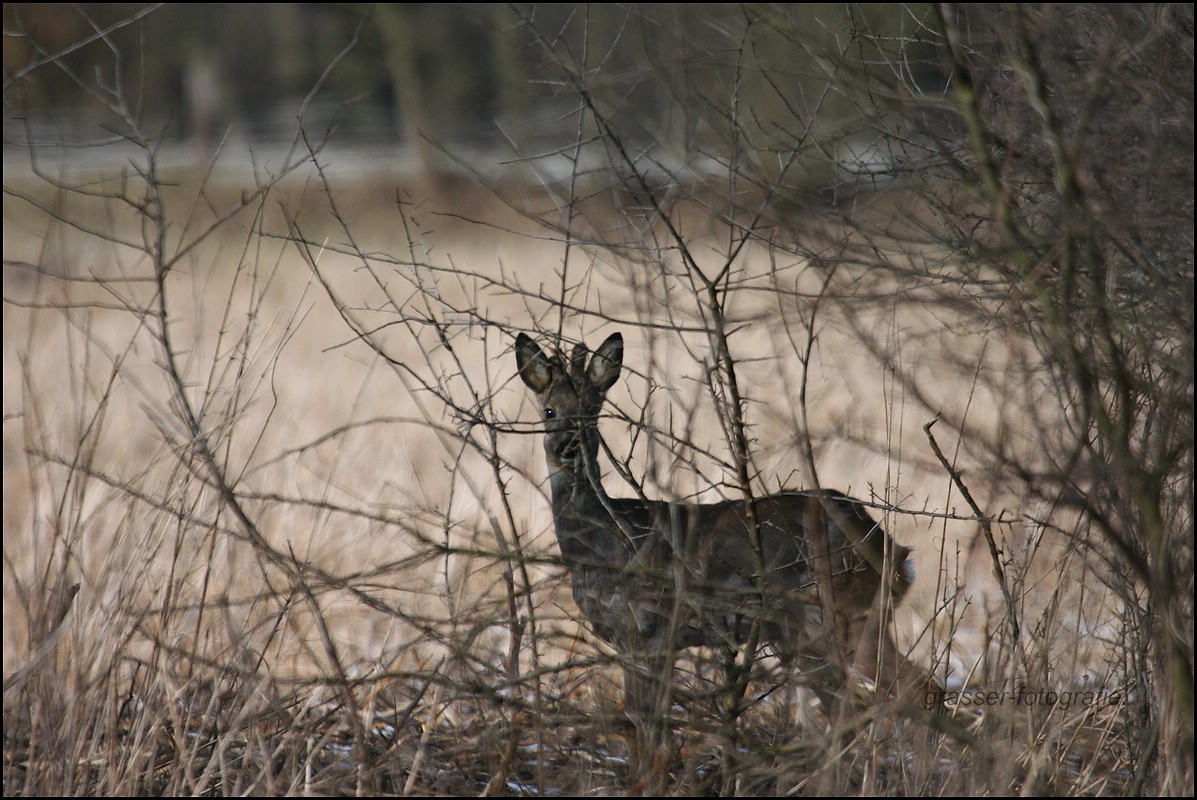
878, 660
647, 685
874, 658
733, 691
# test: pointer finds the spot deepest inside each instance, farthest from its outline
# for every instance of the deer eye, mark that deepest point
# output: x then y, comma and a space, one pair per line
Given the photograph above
549, 413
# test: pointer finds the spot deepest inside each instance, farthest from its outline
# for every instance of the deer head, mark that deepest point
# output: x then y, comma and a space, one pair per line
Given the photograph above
571, 393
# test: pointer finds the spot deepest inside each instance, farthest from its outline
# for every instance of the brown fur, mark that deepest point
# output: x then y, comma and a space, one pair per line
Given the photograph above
651, 577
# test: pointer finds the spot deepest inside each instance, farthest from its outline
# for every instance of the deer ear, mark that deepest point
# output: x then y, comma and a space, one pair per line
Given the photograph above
534, 366
606, 363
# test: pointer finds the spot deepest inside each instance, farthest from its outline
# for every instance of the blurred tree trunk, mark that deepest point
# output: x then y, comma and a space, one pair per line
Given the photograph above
454, 73
402, 26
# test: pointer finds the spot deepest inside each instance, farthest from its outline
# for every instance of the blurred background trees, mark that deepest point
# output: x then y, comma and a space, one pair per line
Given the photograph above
439, 74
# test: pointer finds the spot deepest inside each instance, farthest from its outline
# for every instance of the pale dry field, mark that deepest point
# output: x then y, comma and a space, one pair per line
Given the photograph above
400, 472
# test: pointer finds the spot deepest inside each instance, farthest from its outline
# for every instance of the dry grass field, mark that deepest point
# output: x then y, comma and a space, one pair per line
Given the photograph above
277, 442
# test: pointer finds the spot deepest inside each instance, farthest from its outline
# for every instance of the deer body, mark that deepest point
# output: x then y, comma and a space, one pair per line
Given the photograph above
652, 577
620, 551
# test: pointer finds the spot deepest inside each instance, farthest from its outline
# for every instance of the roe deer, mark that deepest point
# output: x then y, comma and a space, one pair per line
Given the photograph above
653, 577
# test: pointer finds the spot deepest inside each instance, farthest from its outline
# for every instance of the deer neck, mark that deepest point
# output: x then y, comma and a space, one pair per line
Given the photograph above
587, 531
578, 481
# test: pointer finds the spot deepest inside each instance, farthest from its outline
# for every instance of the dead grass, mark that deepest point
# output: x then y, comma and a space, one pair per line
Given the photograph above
401, 626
